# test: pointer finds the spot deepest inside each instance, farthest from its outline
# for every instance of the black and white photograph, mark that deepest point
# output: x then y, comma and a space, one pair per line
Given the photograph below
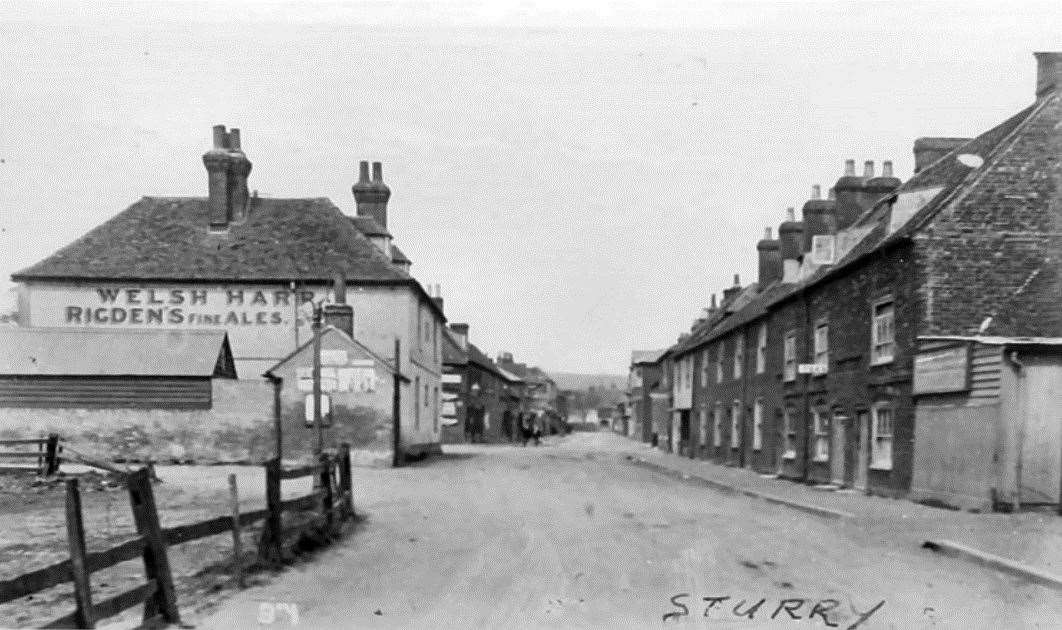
548, 314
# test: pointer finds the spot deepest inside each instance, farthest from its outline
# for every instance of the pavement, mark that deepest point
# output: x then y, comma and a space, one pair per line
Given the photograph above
576, 534
1032, 539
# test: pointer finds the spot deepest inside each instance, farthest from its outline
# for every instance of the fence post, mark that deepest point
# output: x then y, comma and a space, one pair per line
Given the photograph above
327, 500
75, 535
269, 547
156, 563
51, 459
345, 485
237, 547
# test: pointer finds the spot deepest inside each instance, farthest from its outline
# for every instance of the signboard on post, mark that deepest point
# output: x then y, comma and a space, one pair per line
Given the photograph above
815, 369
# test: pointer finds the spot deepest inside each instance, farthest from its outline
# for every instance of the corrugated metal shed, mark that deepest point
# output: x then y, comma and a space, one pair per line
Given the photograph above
89, 352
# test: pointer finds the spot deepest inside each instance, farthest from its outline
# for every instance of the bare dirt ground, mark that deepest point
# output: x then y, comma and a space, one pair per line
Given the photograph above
33, 535
571, 535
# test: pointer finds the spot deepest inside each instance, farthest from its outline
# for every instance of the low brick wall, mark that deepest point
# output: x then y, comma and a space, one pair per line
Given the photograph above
238, 428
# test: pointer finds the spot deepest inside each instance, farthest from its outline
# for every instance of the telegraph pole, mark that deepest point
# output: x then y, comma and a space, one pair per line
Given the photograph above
317, 378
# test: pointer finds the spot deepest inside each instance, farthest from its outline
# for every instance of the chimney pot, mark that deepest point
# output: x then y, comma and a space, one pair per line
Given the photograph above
790, 214
831, 195
816, 191
849, 168
219, 136
713, 307
234, 139
737, 280
377, 172
363, 172
767, 233
868, 169
886, 168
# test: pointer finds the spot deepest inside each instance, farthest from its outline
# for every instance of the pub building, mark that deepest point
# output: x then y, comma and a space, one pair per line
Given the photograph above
236, 262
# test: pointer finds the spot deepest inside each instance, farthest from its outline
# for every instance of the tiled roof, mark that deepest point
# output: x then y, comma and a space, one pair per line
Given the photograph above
169, 238
646, 356
96, 352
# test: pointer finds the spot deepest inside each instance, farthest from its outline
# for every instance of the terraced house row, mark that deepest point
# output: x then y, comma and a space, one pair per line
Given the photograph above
901, 338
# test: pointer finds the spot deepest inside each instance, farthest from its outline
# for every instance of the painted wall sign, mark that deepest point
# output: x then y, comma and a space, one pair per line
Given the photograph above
942, 371
261, 319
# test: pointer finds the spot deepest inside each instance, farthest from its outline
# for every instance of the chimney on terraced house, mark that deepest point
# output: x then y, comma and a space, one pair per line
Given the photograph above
819, 217
790, 241
460, 331
770, 260
1048, 72
929, 150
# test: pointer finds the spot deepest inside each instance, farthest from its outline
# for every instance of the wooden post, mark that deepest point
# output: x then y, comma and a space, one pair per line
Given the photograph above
75, 535
345, 484
52, 455
156, 563
396, 408
278, 384
327, 500
269, 547
41, 457
237, 547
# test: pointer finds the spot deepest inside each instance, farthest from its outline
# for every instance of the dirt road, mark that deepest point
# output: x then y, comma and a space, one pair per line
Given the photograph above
571, 535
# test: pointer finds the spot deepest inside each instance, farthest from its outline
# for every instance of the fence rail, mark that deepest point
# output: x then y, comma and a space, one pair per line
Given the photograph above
47, 455
157, 593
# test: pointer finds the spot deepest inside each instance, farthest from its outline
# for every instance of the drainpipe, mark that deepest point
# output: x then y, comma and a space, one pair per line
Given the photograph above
1019, 391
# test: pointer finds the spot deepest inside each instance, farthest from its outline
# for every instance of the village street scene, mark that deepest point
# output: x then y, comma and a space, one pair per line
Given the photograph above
600, 315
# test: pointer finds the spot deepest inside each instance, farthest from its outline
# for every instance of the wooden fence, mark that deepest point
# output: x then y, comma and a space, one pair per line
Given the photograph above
45, 450
332, 499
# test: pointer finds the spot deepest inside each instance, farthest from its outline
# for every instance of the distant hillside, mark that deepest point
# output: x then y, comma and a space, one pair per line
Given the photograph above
570, 380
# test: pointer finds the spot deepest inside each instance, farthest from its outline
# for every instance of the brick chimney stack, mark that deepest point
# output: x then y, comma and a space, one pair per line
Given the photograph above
875, 188
790, 240
1048, 72
339, 314
819, 217
372, 195
239, 170
732, 292
770, 260
929, 150
216, 161
848, 188
461, 332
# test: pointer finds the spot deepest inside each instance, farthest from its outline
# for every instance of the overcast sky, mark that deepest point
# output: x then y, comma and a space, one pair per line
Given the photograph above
579, 178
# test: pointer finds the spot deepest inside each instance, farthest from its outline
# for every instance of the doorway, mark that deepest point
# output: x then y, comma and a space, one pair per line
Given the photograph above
863, 420
838, 451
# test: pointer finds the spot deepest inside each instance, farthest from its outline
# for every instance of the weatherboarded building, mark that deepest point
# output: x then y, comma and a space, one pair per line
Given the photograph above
236, 262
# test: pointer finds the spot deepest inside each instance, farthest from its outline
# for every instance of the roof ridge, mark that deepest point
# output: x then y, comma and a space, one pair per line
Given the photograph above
976, 174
